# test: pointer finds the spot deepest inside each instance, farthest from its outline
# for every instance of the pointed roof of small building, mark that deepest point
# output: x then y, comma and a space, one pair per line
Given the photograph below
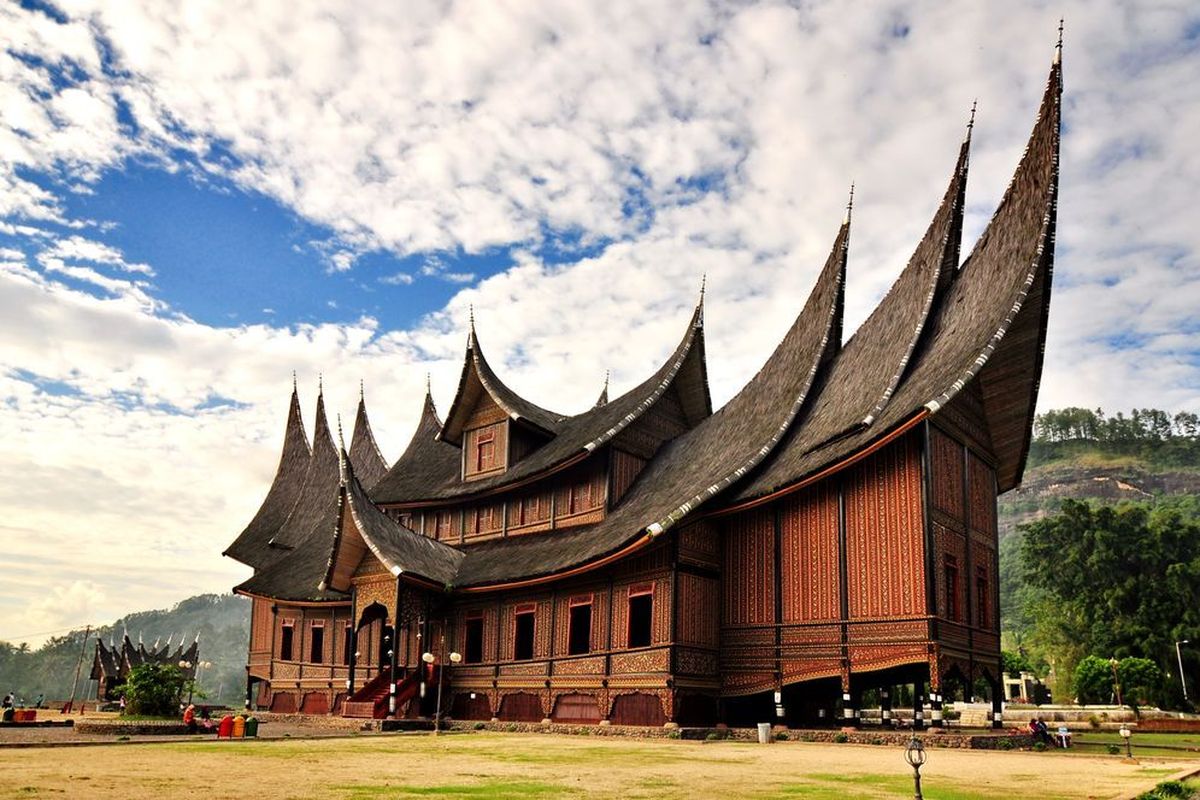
251, 545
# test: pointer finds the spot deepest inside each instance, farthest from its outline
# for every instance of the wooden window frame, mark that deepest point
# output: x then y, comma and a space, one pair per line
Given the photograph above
525, 610
319, 653
635, 592
572, 604
287, 637
474, 618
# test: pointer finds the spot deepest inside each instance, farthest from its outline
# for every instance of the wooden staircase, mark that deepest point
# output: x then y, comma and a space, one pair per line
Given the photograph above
371, 701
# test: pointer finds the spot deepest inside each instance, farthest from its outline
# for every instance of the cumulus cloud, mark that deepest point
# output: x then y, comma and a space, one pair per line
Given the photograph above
615, 151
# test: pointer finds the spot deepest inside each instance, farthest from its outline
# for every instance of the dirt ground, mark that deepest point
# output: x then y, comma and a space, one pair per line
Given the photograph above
528, 767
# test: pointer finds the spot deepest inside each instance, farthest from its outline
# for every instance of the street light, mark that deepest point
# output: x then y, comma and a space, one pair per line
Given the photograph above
914, 754
1179, 656
1126, 734
430, 658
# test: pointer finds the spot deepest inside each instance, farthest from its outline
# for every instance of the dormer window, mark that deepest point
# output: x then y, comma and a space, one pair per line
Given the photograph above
485, 450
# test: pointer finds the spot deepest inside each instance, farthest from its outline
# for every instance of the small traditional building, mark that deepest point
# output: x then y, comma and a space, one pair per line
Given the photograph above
830, 530
112, 663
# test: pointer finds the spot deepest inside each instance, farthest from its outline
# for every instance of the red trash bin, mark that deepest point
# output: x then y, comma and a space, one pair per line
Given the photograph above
225, 729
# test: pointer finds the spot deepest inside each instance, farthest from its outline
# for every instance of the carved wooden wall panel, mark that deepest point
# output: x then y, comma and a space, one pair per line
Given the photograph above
699, 544
885, 533
810, 574
698, 621
982, 511
947, 478
625, 469
748, 575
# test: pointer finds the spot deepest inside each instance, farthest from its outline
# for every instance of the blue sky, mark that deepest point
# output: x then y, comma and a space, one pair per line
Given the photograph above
196, 203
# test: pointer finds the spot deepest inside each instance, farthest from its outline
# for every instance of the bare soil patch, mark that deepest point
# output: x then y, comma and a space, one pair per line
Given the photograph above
528, 767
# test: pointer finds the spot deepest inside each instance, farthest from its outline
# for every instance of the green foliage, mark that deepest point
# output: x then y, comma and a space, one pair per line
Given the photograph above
1167, 790
1141, 679
1113, 750
154, 690
1118, 580
1015, 663
1039, 746
1093, 680
841, 738
1148, 434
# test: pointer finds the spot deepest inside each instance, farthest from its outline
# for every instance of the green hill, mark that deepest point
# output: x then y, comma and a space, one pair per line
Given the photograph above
222, 621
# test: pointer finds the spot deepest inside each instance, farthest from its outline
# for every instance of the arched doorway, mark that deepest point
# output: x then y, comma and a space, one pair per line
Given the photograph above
371, 636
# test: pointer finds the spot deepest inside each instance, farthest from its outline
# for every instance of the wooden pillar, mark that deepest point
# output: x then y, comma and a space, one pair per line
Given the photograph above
935, 708
918, 706
394, 649
998, 701
249, 688
353, 640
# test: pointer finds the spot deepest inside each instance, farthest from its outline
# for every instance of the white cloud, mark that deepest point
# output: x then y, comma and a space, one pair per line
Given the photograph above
666, 140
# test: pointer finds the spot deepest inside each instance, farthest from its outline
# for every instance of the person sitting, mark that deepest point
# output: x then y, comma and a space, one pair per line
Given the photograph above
1033, 728
189, 718
1043, 732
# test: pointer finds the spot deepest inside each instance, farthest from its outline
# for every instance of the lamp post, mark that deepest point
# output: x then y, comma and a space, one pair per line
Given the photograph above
1112, 662
914, 754
1179, 656
1126, 734
430, 658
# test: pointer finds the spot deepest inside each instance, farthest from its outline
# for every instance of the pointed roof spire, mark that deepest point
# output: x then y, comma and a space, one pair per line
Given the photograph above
364, 452
362, 391
603, 399
1058, 47
849, 205
320, 384
341, 436
295, 388
971, 121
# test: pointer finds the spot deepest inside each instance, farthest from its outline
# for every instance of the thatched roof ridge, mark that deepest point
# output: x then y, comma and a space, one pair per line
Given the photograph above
251, 545
368, 461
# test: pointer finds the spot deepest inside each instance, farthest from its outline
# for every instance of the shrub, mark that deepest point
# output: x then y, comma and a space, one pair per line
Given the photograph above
877, 740
1039, 746
1113, 750
153, 690
1094, 721
841, 738
479, 726
1167, 790
512, 727
1005, 744
782, 736
712, 736
673, 735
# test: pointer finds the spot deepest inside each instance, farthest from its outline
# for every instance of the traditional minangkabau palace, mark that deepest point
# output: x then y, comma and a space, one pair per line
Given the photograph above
650, 561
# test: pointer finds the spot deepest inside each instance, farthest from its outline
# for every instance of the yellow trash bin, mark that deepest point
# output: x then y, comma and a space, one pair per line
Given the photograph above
239, 726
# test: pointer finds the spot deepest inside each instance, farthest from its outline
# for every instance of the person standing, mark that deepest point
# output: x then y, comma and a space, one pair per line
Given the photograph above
9, 699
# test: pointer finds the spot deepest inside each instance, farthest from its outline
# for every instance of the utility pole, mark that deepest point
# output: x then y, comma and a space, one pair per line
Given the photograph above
1179, 656
78, 666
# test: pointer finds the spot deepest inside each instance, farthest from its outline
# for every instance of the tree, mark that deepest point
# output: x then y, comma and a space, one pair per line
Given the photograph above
1093, 680
1120, 580
1141, 680
154, 690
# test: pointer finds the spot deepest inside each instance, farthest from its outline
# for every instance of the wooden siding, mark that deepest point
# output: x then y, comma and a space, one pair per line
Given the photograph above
885, 562
809, 555
625, 469
748, 578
